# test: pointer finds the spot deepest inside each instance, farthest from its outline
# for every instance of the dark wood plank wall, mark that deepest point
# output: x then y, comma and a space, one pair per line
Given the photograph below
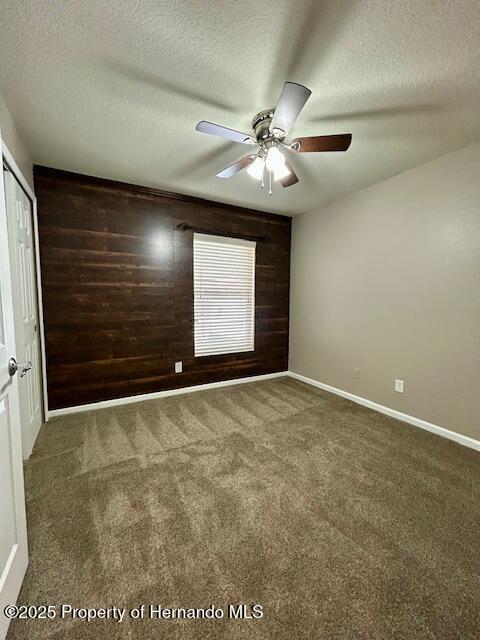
117, 280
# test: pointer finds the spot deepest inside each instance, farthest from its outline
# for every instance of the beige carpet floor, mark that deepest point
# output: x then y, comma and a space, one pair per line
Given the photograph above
341, 522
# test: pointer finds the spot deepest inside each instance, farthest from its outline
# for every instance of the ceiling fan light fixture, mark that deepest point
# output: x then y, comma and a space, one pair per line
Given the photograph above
275, 160
255, 170
281, 172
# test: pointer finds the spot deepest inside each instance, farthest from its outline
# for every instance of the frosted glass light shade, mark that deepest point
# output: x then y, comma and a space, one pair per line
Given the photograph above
281, 172
275, 162
275, 159
256, 169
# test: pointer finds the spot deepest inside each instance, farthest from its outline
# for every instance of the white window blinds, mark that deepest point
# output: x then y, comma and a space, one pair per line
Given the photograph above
224, 294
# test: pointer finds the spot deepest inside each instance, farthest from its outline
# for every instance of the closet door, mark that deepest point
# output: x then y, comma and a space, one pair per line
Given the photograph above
13, 530
22, 259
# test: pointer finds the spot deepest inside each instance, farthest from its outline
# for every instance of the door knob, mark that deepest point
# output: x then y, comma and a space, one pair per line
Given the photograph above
14, 366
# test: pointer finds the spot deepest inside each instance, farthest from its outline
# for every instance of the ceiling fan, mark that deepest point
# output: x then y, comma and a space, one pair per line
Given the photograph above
270, 128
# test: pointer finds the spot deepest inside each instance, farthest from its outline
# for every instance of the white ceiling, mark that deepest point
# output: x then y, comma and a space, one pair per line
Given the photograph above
114, 89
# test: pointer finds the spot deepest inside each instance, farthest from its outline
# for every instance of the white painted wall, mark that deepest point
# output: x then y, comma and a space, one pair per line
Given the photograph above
13, 141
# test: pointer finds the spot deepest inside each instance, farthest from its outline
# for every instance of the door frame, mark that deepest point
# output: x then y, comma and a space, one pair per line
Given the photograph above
7, 158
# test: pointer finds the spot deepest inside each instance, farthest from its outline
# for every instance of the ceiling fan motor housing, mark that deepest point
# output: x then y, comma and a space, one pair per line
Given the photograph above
261, 126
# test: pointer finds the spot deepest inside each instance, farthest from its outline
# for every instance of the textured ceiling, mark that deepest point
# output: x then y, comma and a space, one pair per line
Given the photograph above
114, 89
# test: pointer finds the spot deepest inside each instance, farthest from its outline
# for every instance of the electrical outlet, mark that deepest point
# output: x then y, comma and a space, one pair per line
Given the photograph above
399, 386
356, 374
178, 367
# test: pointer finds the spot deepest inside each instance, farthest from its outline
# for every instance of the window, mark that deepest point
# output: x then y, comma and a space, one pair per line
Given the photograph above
224, 294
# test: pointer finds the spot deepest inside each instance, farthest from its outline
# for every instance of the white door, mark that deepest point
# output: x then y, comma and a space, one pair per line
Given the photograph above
13, 528
22, 260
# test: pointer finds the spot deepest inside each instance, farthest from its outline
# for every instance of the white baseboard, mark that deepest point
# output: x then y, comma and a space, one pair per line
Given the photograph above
162, 394
412, 420
466, 441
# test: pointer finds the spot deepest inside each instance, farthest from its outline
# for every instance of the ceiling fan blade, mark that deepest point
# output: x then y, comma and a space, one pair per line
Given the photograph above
339, 142
224, 132
292, 178
237, 166
291, 102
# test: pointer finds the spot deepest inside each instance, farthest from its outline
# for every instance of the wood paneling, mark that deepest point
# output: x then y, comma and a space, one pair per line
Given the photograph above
117, 280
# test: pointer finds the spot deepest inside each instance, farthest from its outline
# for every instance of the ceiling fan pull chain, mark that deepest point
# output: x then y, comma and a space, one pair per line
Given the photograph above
270, 188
